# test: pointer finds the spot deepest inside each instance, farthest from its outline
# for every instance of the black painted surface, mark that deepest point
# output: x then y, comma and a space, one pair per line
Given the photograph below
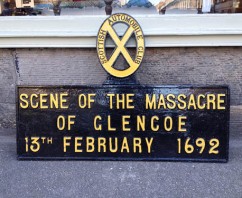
205, 124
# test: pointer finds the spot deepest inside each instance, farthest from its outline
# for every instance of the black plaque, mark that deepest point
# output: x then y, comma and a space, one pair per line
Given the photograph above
123, 122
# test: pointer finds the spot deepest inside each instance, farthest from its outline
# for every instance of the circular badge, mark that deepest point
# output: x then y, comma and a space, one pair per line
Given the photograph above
133, 28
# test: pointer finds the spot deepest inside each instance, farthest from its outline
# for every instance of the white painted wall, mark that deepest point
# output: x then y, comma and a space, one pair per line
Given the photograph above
160, 31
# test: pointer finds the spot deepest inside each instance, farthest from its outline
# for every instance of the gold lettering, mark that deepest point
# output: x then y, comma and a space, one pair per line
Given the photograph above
90, 144
171, 99
70, 121
97, 127
167, 120
66, 143
85, 101
77, 144
211, 101
192, 102
113, 150
32, 103
162, 102
91, 99
120, 101
199, 103
125, 145
102, 144
220, 101
63, 100
153, 126
182, 104
150, 104
141, 123
24, 104
61, 123
54, 101
129, 101
82, 100
149, 143
110, 100
137, 143
181, 123
125, 122
110, 128
43, 100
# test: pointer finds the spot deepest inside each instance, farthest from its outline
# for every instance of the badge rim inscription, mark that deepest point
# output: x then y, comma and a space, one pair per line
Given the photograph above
133, 28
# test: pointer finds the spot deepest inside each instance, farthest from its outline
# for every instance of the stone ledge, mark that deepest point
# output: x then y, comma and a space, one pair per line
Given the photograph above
81, 31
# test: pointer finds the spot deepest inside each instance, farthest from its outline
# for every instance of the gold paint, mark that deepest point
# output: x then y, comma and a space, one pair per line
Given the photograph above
179, 145
90, 144
200, 142
220, 102
49, 140
97, 127
61, 122
171, 99
27, 144
167, 120
214, 143
125, 145
101, 144
192, 102
110, 100
77, 144
35, 145
113, 150
32, 103
129, 101
65, 143
53, 101
182, 104
199, 103
107, 28
123, 101
82, 101
211, 101
149, 143
23, 98
91, 99
60, 119
110, 128
150, 103
181, 123
86, 100
137, 144
152, 122
162, 102
63, 100
120, 101
70, 121
140, 123
43, 100
125, 122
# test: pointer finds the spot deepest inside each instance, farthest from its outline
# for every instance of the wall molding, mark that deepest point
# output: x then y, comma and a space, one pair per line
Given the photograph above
159, 30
